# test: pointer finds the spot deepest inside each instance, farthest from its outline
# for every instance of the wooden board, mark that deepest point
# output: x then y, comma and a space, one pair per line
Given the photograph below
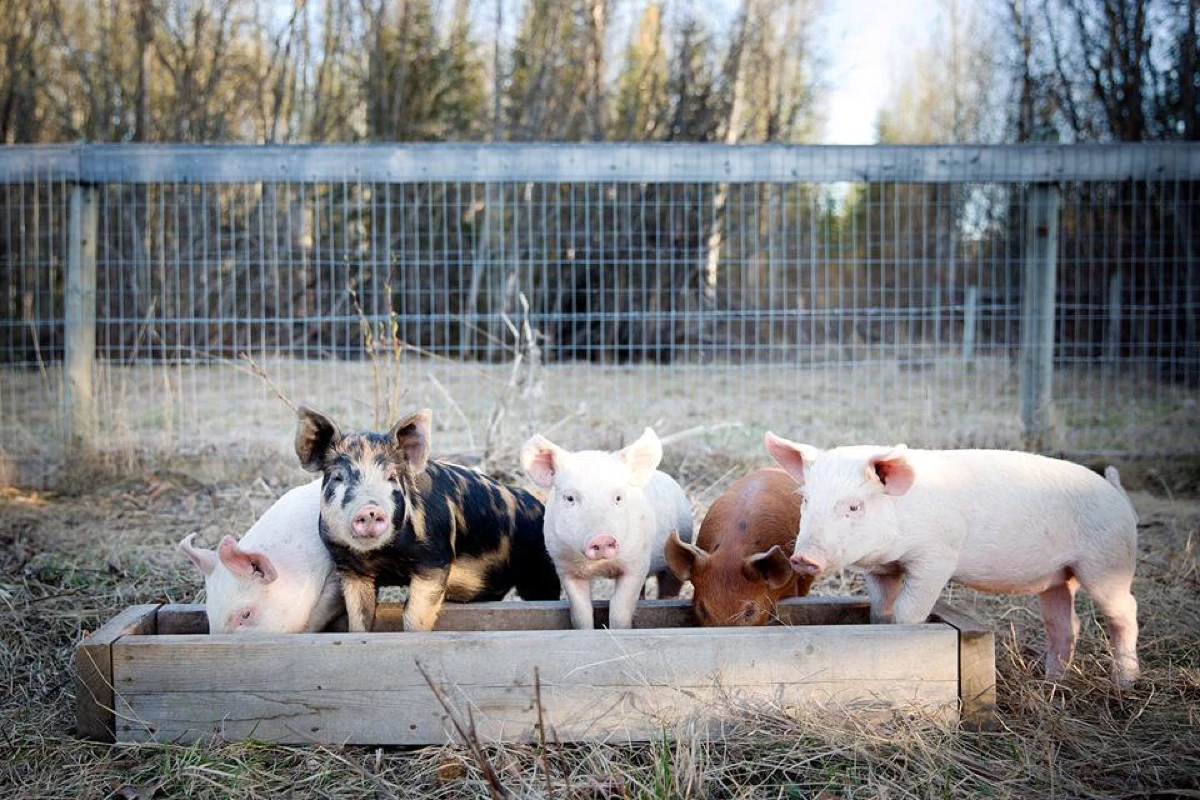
92, 664
556, 615
976, 667
596, 685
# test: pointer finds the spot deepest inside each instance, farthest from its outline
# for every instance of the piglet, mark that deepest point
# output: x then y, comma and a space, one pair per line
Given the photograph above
993, 520
608, 515
278, 579
739, 565
392, 516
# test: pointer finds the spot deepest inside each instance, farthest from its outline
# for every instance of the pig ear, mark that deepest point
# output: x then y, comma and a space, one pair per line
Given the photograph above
893, 469
642, 457
204, 559
244, 563
794, 458
683, 558
315, 435
540, 458
412, 437
772, 566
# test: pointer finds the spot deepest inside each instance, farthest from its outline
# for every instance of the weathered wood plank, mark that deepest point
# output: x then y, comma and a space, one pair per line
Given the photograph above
556, 615
580, 162
595, 684
412, 716
313, 661
92, 665
174, 618
976, 666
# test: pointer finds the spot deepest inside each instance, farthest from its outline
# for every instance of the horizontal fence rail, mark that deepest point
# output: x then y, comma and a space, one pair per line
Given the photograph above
1043, 296
579, 163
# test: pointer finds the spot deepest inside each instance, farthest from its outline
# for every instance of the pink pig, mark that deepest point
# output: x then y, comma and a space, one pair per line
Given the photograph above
994, 520
608, 515
278, 579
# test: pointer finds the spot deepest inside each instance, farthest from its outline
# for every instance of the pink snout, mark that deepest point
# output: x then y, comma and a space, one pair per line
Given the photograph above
806, 565
370, 522
601, 547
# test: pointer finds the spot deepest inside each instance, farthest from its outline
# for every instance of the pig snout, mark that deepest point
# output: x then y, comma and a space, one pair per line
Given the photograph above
370, 522
601, 547
806, 565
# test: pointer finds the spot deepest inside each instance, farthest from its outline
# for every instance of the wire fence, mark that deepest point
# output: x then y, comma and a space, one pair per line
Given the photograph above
832, 294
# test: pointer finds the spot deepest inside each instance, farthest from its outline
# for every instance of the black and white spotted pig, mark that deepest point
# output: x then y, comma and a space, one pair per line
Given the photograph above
392, 517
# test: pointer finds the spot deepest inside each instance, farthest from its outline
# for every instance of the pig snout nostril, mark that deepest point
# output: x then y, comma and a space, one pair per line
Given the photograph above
601, 547
370, 521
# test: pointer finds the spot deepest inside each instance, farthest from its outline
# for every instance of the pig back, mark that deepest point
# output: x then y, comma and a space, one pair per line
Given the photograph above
672, 511
289, 533
1019, 510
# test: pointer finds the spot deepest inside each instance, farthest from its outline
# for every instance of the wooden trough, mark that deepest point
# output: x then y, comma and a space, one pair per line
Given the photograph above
154, 674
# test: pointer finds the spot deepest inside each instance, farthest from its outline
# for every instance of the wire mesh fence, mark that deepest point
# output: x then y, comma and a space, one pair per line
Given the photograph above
832, 294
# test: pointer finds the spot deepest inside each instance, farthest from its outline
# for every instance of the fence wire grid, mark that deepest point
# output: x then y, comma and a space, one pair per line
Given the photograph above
831, 294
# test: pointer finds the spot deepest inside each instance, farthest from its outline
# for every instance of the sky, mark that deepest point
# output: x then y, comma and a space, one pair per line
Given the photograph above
865, 43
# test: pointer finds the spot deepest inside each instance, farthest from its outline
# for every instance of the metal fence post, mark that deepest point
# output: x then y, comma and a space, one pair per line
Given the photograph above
79, 315
1039, 277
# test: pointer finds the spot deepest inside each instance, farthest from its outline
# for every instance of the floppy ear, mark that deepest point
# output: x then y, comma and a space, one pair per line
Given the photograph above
204, 559
412, 437
683, 558
772, 566
315, 435
540, 458
642, 457
245, 564
893, 469
794, 458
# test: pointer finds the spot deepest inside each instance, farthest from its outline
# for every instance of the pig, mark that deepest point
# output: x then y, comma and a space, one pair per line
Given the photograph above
278, 579
608, 515
739, 566
994, 520
390, 516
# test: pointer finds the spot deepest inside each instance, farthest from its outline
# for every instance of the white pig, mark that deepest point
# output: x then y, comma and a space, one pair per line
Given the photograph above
278, 579
994, 520
608, 515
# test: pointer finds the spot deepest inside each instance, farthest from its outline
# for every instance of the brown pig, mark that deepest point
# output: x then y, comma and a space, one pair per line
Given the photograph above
739, 565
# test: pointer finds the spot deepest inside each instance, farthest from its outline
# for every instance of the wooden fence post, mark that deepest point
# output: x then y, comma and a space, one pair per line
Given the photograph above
1039, 277
970, 323
79, 316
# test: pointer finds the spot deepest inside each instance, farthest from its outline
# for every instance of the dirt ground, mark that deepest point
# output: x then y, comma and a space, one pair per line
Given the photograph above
71, 559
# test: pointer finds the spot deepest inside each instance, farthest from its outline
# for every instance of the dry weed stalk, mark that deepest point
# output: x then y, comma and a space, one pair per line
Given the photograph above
469, 737
257, 370
523, 379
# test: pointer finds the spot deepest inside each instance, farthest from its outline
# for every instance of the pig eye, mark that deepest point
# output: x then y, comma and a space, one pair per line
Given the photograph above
617, 499
393, 478
855, 507
336, 478
245, 615
569, 498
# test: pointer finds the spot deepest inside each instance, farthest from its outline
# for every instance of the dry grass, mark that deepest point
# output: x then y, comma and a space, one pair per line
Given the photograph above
225, 411
69, 561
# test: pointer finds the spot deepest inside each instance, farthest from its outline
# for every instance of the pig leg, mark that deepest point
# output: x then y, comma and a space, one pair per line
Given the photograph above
1062, 626
882, 588
1114, 600
426, 592
579, 593
919, 591
668, 585
624, 599
359, 593
329, 605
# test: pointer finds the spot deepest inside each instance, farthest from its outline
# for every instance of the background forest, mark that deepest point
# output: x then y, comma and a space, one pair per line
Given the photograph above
785, 264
